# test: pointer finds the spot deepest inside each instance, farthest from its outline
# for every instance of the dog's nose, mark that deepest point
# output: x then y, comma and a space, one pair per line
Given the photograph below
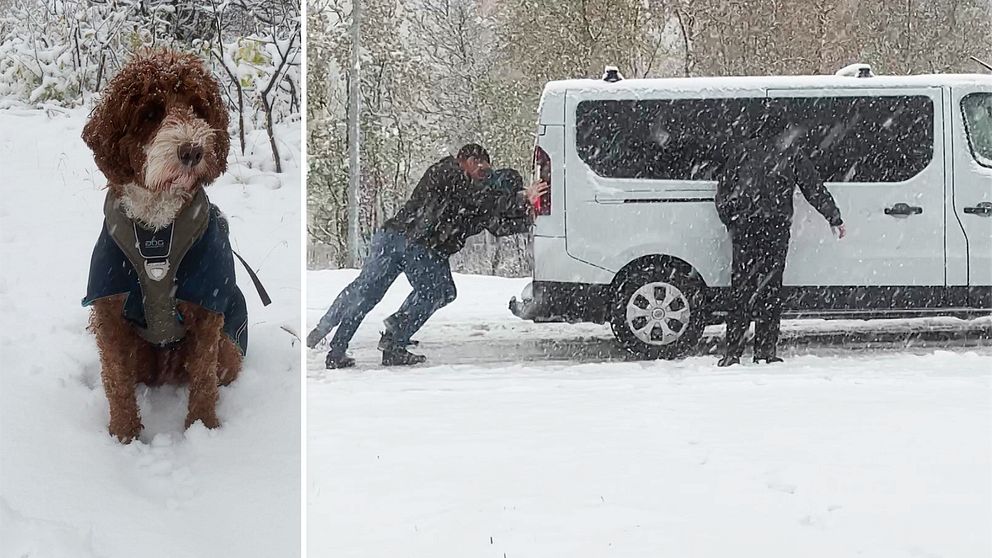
190, 155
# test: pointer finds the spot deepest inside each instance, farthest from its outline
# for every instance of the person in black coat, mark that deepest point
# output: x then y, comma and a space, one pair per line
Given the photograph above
452, 202
754, 201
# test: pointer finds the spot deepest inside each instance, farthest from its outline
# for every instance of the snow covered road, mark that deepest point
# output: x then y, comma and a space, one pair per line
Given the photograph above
834, 453
478, 329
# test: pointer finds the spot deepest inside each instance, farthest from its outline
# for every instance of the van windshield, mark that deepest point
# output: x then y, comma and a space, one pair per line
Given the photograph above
977, 109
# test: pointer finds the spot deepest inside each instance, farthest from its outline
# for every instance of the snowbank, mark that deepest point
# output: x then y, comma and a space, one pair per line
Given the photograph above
833, 453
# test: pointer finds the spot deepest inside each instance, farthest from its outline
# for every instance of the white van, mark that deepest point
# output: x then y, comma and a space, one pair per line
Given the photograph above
629, 233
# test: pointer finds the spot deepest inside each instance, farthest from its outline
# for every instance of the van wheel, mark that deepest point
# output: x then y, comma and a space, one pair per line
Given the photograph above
657, 312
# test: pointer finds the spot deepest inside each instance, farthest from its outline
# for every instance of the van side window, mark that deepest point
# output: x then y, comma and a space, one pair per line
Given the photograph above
684, 139
865, 139
977, 108
851, 139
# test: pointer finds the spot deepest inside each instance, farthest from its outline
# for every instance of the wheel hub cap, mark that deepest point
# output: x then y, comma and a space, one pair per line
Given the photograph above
658, 313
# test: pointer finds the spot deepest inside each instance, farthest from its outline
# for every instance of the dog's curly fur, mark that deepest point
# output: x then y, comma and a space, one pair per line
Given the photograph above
159, 101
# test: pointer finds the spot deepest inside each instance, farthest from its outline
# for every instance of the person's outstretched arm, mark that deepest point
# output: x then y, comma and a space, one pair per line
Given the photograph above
497, 202
816, 193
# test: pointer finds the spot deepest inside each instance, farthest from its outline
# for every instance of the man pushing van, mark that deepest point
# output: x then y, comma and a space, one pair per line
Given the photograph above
457, 198
754, 201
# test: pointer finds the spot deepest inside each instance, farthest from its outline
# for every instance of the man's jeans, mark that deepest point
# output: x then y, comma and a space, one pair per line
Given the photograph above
429, 275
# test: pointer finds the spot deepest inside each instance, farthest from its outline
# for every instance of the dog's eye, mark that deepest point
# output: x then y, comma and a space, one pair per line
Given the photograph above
152, 113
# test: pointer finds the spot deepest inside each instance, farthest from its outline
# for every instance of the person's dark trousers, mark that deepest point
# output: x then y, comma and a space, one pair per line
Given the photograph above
383, 264
759, 253
429, 274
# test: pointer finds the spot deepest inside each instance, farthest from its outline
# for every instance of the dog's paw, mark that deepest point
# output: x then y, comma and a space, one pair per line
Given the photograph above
125, 433
210, 421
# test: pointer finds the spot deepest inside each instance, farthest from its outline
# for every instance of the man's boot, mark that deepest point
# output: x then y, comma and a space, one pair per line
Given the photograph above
765, 342
333, 361
736, 327
768, 357
313, 338
728, 360
401, 357
386, 341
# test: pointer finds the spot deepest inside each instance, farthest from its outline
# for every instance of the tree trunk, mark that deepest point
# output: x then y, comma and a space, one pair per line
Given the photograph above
687, 59
267, 106
241, 115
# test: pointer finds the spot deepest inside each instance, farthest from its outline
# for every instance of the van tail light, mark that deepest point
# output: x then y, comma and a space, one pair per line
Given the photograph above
542, 168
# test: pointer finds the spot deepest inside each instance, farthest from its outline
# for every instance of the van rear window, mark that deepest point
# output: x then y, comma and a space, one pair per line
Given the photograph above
850, 139
977, 109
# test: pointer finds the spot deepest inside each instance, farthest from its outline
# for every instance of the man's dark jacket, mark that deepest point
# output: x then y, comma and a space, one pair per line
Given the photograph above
518, 218
447, 207
758, 181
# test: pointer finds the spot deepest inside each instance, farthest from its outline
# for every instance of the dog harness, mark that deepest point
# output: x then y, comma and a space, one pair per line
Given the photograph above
190, 260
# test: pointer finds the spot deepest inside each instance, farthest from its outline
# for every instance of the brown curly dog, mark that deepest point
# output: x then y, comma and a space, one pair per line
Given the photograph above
159, 135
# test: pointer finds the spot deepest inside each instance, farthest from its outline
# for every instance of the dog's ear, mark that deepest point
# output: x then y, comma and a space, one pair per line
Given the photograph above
218, 119
105, 129
206, 86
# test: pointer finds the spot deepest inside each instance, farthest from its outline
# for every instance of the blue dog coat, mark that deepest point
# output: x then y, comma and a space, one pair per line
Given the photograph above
205, 275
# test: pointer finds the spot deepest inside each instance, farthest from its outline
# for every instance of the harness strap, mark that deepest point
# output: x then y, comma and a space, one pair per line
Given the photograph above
254, 279
155, 256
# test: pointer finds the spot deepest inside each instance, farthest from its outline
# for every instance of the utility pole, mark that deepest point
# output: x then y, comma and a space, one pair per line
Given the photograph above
354, 161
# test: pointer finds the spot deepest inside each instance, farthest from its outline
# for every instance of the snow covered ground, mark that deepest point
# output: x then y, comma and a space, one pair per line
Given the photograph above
526, 439
66, 488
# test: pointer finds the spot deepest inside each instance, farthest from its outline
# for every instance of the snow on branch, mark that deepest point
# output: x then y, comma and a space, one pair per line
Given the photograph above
62, 52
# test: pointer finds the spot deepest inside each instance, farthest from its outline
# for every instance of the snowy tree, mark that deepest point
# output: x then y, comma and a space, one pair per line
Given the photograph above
821, 36
60, 52
327, 179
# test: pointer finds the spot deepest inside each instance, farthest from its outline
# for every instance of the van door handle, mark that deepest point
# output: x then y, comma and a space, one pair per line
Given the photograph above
903, 210
983, 209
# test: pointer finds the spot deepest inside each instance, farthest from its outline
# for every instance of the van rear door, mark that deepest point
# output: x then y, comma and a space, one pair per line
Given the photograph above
549, 163
549, 155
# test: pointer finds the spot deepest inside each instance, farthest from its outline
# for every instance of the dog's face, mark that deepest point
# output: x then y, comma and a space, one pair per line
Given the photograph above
160, 127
